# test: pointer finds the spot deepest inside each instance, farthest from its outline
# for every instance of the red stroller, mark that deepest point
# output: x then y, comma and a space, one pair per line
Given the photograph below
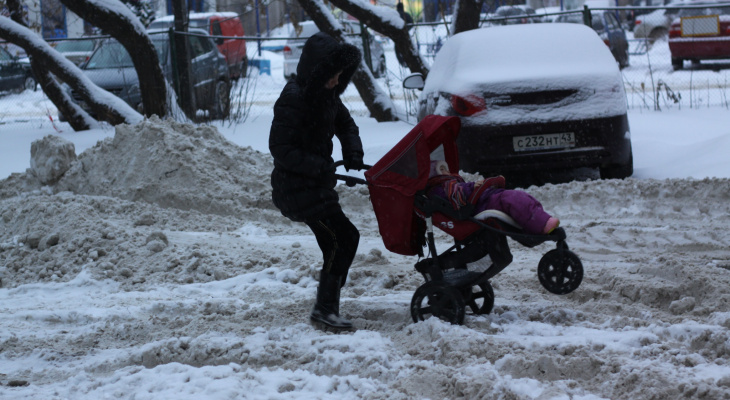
459, 276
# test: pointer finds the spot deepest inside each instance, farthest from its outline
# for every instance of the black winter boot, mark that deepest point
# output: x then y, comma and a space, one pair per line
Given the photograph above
327, 308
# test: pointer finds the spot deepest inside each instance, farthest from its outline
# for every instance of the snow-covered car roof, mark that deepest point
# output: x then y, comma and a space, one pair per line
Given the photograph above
527, 53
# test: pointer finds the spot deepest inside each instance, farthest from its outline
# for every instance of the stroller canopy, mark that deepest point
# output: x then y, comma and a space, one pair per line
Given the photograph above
403, 171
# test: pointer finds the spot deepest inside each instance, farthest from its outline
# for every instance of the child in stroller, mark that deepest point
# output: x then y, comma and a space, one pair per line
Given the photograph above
406, 214
489, 195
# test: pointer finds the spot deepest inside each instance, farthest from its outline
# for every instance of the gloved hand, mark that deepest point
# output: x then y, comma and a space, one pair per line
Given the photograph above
354, 162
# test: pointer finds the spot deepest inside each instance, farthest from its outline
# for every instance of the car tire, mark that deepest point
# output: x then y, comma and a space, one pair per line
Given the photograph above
677, 63
221, 106
618, 171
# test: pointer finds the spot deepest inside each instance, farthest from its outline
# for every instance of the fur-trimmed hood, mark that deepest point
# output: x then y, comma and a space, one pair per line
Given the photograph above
322, 57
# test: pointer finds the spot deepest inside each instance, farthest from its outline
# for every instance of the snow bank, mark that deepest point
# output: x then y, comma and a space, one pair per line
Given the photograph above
157, 268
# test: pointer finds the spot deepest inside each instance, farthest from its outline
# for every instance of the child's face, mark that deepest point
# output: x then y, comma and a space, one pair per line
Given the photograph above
443, 169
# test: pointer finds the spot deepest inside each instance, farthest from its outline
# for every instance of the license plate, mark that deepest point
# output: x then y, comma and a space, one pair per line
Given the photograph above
543, 142
702, 25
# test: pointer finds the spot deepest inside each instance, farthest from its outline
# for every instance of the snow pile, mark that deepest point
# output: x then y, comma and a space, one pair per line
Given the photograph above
157, 268
51, 157
173, 165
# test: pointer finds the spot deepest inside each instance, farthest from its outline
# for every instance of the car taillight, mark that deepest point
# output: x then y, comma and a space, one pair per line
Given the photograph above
468, 105
287, 50
675, 31
637, 22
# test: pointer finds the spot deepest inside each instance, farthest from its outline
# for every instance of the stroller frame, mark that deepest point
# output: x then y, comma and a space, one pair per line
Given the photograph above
450, 287
406, 217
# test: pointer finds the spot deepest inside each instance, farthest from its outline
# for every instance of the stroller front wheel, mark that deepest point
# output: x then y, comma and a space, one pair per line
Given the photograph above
560, 271
480, 298
443, 302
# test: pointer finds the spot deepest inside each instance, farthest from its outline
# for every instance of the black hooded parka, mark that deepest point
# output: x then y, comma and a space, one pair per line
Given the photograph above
306, 118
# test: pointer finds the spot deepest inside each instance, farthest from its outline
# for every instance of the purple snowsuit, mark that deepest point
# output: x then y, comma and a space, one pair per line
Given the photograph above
521, 206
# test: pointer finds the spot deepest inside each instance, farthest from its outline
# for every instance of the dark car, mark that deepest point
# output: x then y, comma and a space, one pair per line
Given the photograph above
13, 75
111, 68
527, 109
514, 14
700, 34
220, 23
607, 26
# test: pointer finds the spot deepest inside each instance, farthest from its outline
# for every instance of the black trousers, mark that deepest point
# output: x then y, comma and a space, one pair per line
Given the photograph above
338, 238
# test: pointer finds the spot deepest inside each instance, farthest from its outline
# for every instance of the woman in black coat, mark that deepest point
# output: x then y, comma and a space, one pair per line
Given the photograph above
307, 115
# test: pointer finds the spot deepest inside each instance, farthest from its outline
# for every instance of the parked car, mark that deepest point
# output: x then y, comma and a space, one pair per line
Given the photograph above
528, 107
700, 34
13, 75
515, 14
77, 51
111, 68
655, 25
293, 47
217, 24
609, 29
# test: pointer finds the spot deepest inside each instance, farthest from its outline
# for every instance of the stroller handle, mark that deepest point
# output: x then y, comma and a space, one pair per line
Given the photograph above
342, 163
351, 181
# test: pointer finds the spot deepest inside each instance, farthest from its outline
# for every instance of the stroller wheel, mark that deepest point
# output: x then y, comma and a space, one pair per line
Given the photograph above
443, 302
560, 271
480, 298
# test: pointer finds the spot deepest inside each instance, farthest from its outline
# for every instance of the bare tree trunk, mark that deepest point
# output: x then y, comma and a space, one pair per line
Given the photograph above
77, 117
68, 72
467, 15
396, 32
364, 81
139, 46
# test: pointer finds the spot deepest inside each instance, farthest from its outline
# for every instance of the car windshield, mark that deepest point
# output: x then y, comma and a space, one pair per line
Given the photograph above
113, 55
68, 46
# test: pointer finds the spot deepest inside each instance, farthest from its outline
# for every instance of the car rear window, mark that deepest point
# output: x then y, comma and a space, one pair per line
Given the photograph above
110, 55
113, 55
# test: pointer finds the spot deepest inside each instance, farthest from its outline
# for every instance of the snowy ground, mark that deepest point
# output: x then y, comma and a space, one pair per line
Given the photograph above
157, 268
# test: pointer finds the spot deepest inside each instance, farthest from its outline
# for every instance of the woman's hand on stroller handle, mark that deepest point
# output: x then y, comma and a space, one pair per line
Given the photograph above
361, 166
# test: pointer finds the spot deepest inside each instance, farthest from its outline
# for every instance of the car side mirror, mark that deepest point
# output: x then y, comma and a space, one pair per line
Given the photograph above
414, 81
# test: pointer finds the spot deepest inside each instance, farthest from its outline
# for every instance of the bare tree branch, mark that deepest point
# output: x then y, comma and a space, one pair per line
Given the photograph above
466, 15
77, 118
394, 28
118, 21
